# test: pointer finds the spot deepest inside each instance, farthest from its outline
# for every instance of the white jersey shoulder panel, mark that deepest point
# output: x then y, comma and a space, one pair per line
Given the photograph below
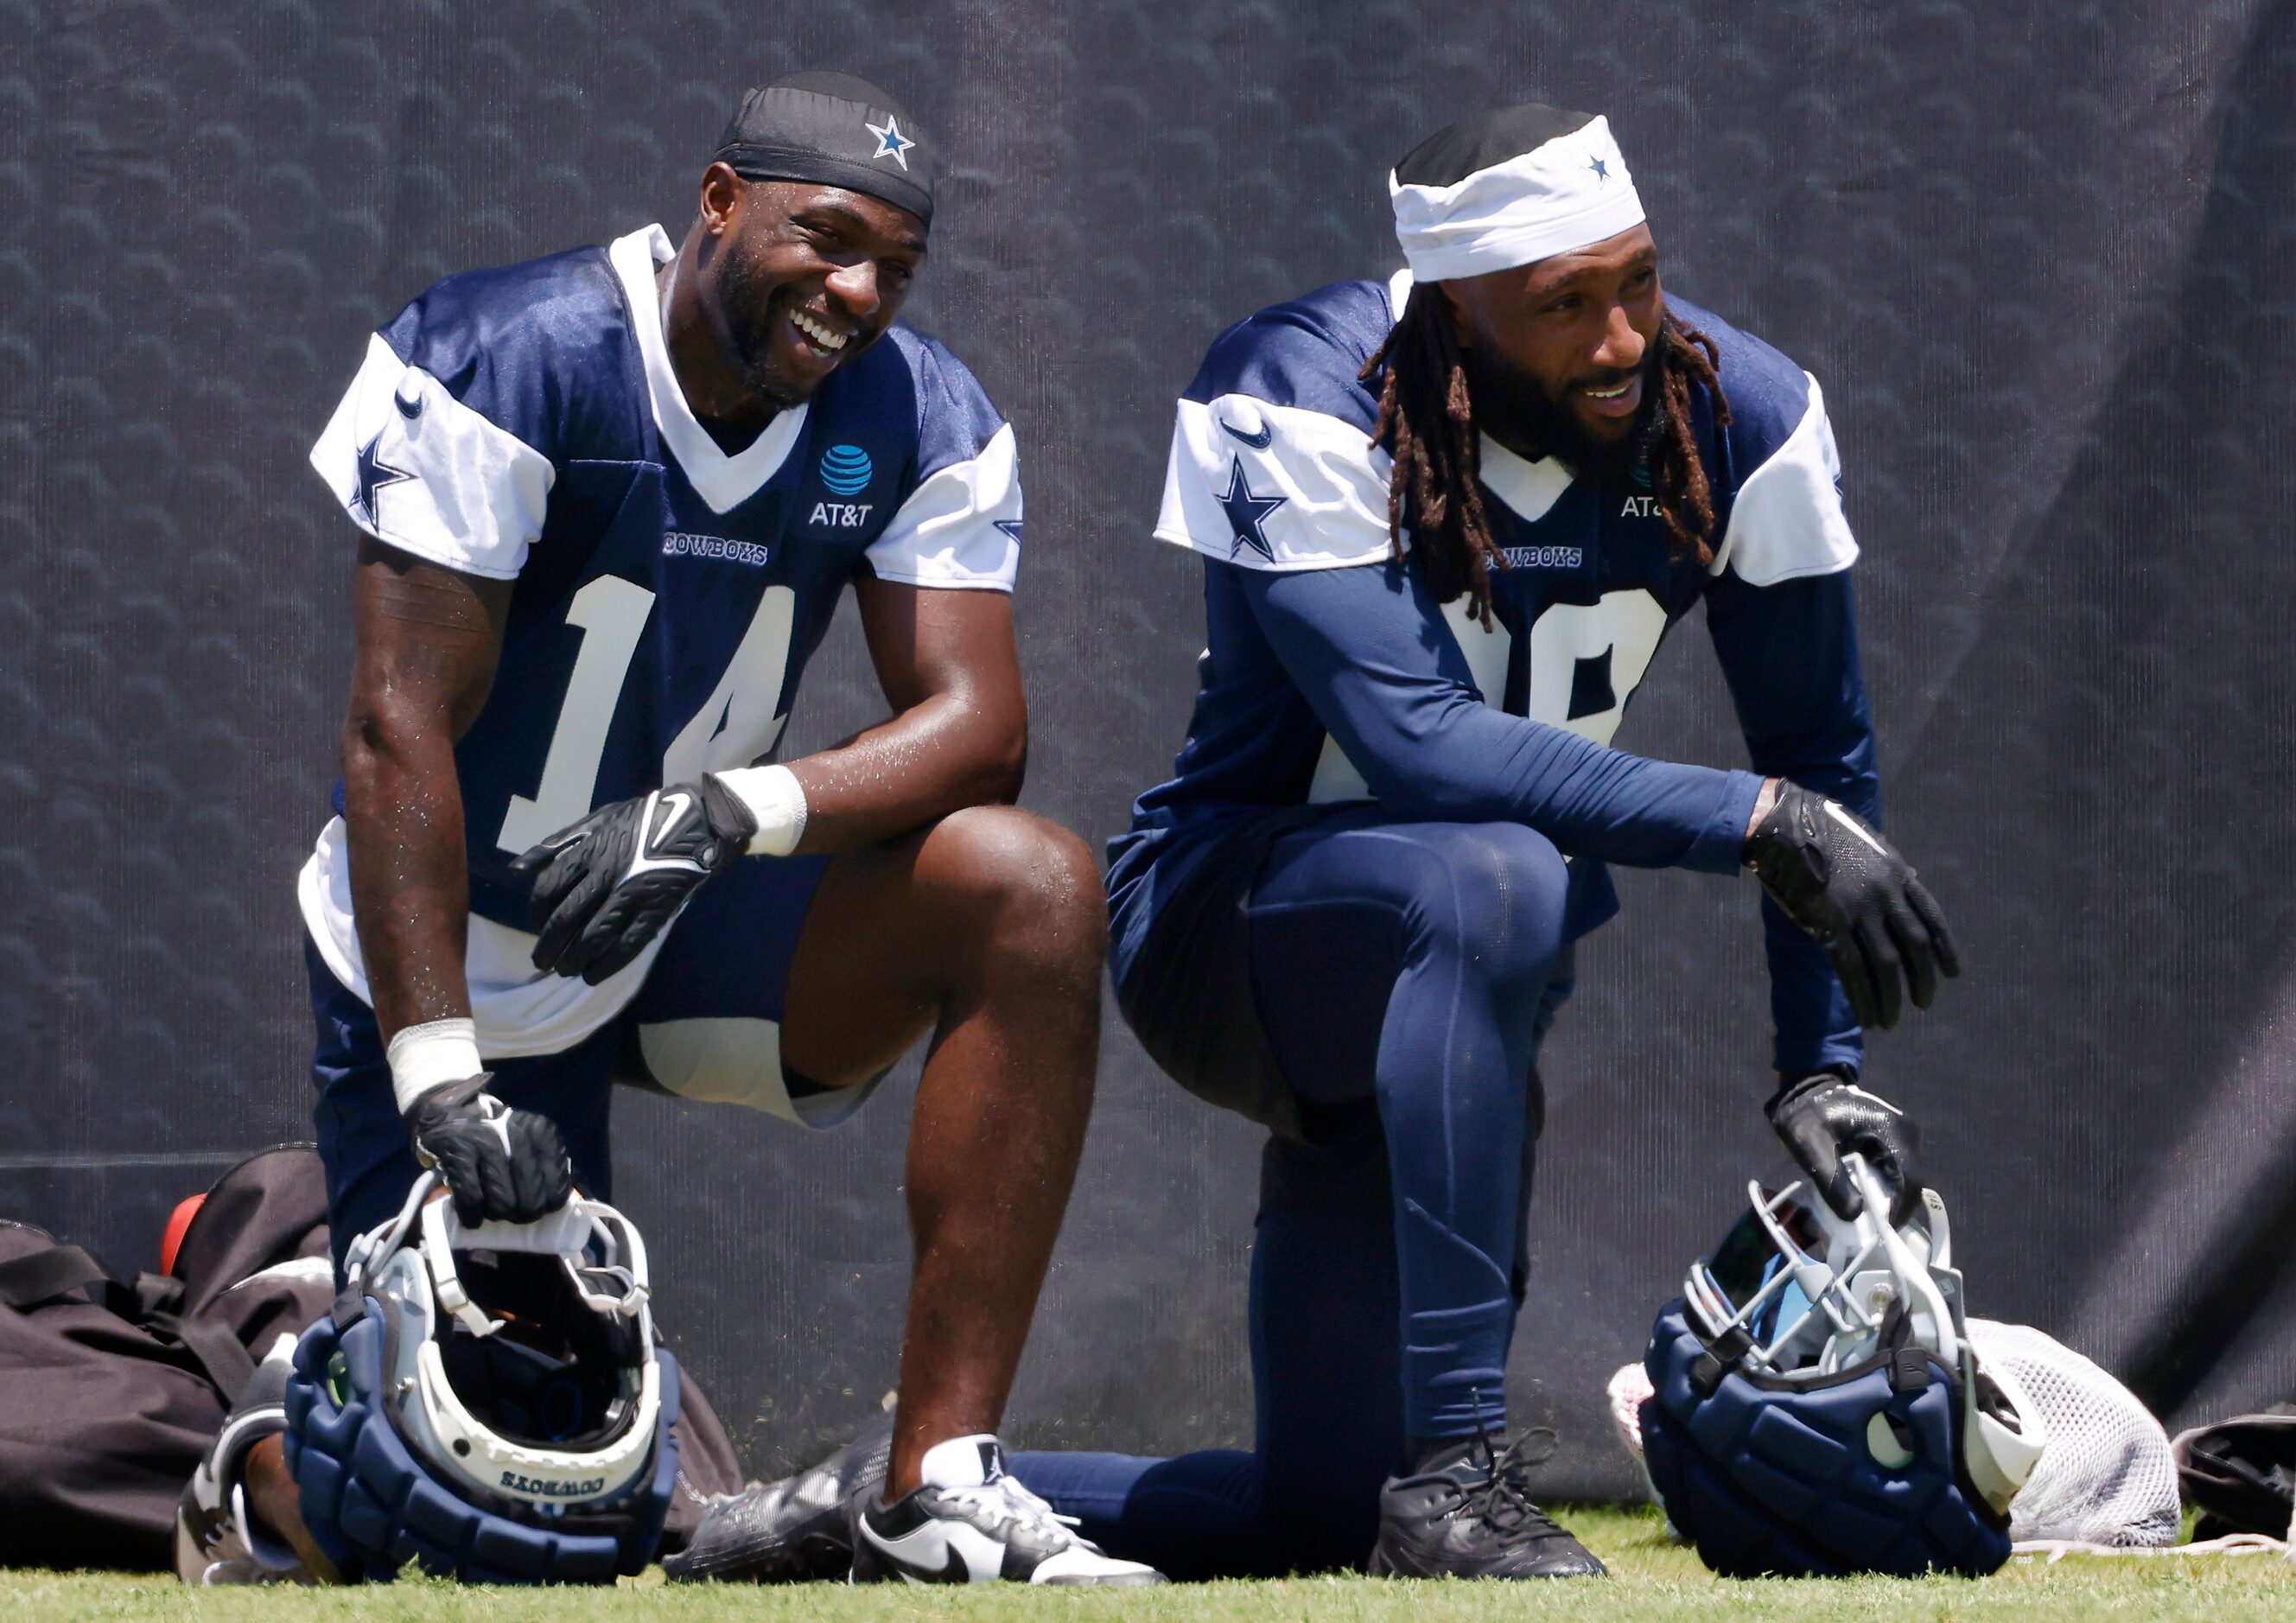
416, 468
1787, 521
961, 526
1273, 487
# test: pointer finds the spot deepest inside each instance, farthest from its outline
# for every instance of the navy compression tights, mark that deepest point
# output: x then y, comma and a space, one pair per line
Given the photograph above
1404, 973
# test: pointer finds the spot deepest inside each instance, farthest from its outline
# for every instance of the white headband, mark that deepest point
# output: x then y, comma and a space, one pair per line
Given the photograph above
1563, 193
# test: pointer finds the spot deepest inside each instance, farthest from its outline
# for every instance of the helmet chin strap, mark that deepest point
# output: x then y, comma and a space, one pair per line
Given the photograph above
1940, 1230
439, 1226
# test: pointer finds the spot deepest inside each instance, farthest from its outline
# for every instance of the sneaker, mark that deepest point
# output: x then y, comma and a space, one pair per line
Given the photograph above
969, 1522
1467, 1513
797, 1530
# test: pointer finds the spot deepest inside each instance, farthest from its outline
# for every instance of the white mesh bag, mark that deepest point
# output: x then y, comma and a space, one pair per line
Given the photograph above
2107, 1476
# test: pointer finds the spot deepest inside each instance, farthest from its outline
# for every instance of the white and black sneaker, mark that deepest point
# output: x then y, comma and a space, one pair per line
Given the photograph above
970, 1523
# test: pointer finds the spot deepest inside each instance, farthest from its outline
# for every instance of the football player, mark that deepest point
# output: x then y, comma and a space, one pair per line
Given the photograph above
608, 502
1446, 519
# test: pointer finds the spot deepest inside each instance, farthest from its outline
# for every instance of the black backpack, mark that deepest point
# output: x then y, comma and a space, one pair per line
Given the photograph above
2241, 1472
112, 1390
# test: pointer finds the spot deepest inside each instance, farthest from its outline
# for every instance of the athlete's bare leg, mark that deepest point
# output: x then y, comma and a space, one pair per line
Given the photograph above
989, 929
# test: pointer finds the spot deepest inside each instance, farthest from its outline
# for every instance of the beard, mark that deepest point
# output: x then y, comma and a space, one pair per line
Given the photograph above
746, 286
1541, 423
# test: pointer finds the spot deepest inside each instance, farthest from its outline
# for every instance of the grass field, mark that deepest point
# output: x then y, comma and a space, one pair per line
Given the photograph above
1652, 1578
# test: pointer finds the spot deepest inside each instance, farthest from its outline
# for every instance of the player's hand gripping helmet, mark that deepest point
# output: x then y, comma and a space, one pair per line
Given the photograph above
487, 1401
1816, 1405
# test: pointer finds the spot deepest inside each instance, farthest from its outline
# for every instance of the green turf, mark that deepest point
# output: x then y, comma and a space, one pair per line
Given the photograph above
1652, 1579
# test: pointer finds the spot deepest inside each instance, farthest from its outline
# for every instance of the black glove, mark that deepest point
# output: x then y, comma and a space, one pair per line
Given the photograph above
500, 1164
1850, 890
606, 886
1824, 1116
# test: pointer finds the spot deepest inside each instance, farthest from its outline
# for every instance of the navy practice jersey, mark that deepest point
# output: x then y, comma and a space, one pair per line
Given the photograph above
1330, 674
525, 424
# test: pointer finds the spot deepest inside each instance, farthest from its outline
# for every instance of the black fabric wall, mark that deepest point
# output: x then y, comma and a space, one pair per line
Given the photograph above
2037, 253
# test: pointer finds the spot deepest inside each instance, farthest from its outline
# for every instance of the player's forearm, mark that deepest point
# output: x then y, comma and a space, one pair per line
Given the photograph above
941, 755
410, 879
428, 641
1357, 641
1789, 655
1463, 759
1810, 1016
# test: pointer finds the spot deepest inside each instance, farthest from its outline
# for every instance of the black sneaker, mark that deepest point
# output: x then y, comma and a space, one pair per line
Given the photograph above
1467, 1513
797, 1530
970, 1523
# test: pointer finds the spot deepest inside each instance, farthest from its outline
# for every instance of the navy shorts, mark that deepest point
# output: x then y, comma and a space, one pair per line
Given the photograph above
706, 1025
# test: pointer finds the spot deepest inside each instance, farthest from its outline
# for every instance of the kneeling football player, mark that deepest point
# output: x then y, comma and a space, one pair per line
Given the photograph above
1446, 519
609, 500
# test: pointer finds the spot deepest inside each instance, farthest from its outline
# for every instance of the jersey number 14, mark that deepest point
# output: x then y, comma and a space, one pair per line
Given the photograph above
740, 721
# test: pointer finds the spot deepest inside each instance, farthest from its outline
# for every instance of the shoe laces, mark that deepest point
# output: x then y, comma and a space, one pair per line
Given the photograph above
1501, 1497
1002, 1502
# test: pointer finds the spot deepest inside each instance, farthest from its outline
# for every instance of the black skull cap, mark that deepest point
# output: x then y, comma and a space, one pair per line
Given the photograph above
835, 130
1450, 156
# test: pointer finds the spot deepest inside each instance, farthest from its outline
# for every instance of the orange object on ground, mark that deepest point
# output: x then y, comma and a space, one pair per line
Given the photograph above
178, 1220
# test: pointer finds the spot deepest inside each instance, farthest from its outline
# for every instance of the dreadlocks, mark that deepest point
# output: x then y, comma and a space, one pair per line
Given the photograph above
1426, 420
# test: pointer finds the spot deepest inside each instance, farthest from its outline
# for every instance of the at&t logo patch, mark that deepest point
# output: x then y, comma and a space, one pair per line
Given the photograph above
846, 470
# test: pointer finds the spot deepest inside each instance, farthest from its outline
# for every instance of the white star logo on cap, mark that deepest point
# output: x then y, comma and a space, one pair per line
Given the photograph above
891, 143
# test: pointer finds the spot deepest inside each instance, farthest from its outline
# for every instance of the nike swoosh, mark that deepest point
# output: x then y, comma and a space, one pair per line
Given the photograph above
953, 1567
1258, 442
675, 806
1849, 822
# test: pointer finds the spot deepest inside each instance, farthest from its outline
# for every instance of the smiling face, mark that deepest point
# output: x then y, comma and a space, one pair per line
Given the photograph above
1561, 354
796, 278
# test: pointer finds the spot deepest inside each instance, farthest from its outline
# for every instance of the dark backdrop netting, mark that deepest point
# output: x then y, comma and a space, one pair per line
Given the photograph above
2039, 254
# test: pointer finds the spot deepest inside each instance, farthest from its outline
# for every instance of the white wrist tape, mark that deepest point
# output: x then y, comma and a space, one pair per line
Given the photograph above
431, 1055
776, 799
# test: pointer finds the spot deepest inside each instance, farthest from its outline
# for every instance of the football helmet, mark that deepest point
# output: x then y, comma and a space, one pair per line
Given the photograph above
1818, 1406
486, 1400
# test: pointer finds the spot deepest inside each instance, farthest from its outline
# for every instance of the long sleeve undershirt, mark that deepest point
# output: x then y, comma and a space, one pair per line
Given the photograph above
1370, 651
1789, 655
